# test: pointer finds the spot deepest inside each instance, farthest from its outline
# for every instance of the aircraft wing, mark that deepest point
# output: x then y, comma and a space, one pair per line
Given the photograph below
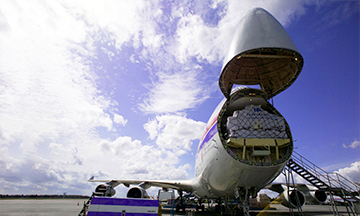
281, 187
275, 187
185, 185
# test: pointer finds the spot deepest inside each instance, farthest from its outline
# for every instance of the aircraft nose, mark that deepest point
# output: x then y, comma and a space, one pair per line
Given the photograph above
261, 53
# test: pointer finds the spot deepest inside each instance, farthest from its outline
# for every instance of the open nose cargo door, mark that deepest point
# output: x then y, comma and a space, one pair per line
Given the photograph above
263, 53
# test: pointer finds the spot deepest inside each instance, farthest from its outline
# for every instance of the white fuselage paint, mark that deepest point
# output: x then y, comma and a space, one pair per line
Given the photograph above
218, 174
258, 37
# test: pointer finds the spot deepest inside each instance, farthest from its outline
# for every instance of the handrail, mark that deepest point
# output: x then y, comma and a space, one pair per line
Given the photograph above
346, 182
313, 169
86, 205
332, 182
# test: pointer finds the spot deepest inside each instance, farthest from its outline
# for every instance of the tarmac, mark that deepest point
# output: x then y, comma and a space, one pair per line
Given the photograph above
40, 207
57, 207
274, 209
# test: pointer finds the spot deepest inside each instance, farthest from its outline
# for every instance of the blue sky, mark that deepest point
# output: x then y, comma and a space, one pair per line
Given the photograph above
123, 89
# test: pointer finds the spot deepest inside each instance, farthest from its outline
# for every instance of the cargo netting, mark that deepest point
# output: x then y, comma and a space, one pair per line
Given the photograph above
255, 122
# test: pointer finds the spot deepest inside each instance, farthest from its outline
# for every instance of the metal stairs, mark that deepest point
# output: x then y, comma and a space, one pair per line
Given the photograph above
334, 183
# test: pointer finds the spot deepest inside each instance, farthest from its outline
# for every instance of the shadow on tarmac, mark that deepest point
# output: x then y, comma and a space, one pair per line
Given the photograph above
275, 209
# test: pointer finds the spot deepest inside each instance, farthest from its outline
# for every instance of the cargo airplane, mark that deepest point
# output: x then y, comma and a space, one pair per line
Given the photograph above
247, 142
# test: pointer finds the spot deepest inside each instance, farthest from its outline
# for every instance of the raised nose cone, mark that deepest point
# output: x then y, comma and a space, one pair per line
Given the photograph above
261, 52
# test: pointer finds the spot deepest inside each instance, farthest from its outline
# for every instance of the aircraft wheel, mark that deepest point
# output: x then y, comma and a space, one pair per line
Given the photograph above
180, 208
217, 208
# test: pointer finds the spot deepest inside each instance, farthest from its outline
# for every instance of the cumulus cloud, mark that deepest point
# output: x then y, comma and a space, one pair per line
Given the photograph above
352, 172
33, 174
119, 119
66, 168
174, 132
132, 159
352, 145
193, 26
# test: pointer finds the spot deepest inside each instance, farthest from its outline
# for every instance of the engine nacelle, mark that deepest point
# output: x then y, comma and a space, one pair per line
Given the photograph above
316, 196
289, 198
137, 192
104, 190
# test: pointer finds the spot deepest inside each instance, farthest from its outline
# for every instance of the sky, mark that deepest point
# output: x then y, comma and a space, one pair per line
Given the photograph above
123, 89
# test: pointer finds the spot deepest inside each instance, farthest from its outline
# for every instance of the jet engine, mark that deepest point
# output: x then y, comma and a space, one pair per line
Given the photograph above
316, 196
104, 190
137, 192
292, 198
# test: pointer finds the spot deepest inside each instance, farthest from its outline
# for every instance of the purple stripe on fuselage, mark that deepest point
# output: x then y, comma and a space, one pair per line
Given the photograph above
208, 136
127, 202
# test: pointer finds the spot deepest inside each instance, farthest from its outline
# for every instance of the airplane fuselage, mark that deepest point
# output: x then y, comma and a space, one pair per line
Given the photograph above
248, 154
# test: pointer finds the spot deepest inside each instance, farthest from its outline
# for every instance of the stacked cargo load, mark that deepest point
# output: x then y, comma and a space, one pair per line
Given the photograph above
254, 122
252, 130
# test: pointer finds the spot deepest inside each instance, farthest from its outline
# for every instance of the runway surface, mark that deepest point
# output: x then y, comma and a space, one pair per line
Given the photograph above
41, 207
57, 207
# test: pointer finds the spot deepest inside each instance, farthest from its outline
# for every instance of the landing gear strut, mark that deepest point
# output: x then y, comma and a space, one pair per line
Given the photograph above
200, 205
243, 196
181, 205
219, 208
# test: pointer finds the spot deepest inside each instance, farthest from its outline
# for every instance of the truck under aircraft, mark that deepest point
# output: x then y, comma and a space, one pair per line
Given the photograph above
247, 142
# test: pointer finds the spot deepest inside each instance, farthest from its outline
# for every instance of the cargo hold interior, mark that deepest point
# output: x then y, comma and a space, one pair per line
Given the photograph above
252, 130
